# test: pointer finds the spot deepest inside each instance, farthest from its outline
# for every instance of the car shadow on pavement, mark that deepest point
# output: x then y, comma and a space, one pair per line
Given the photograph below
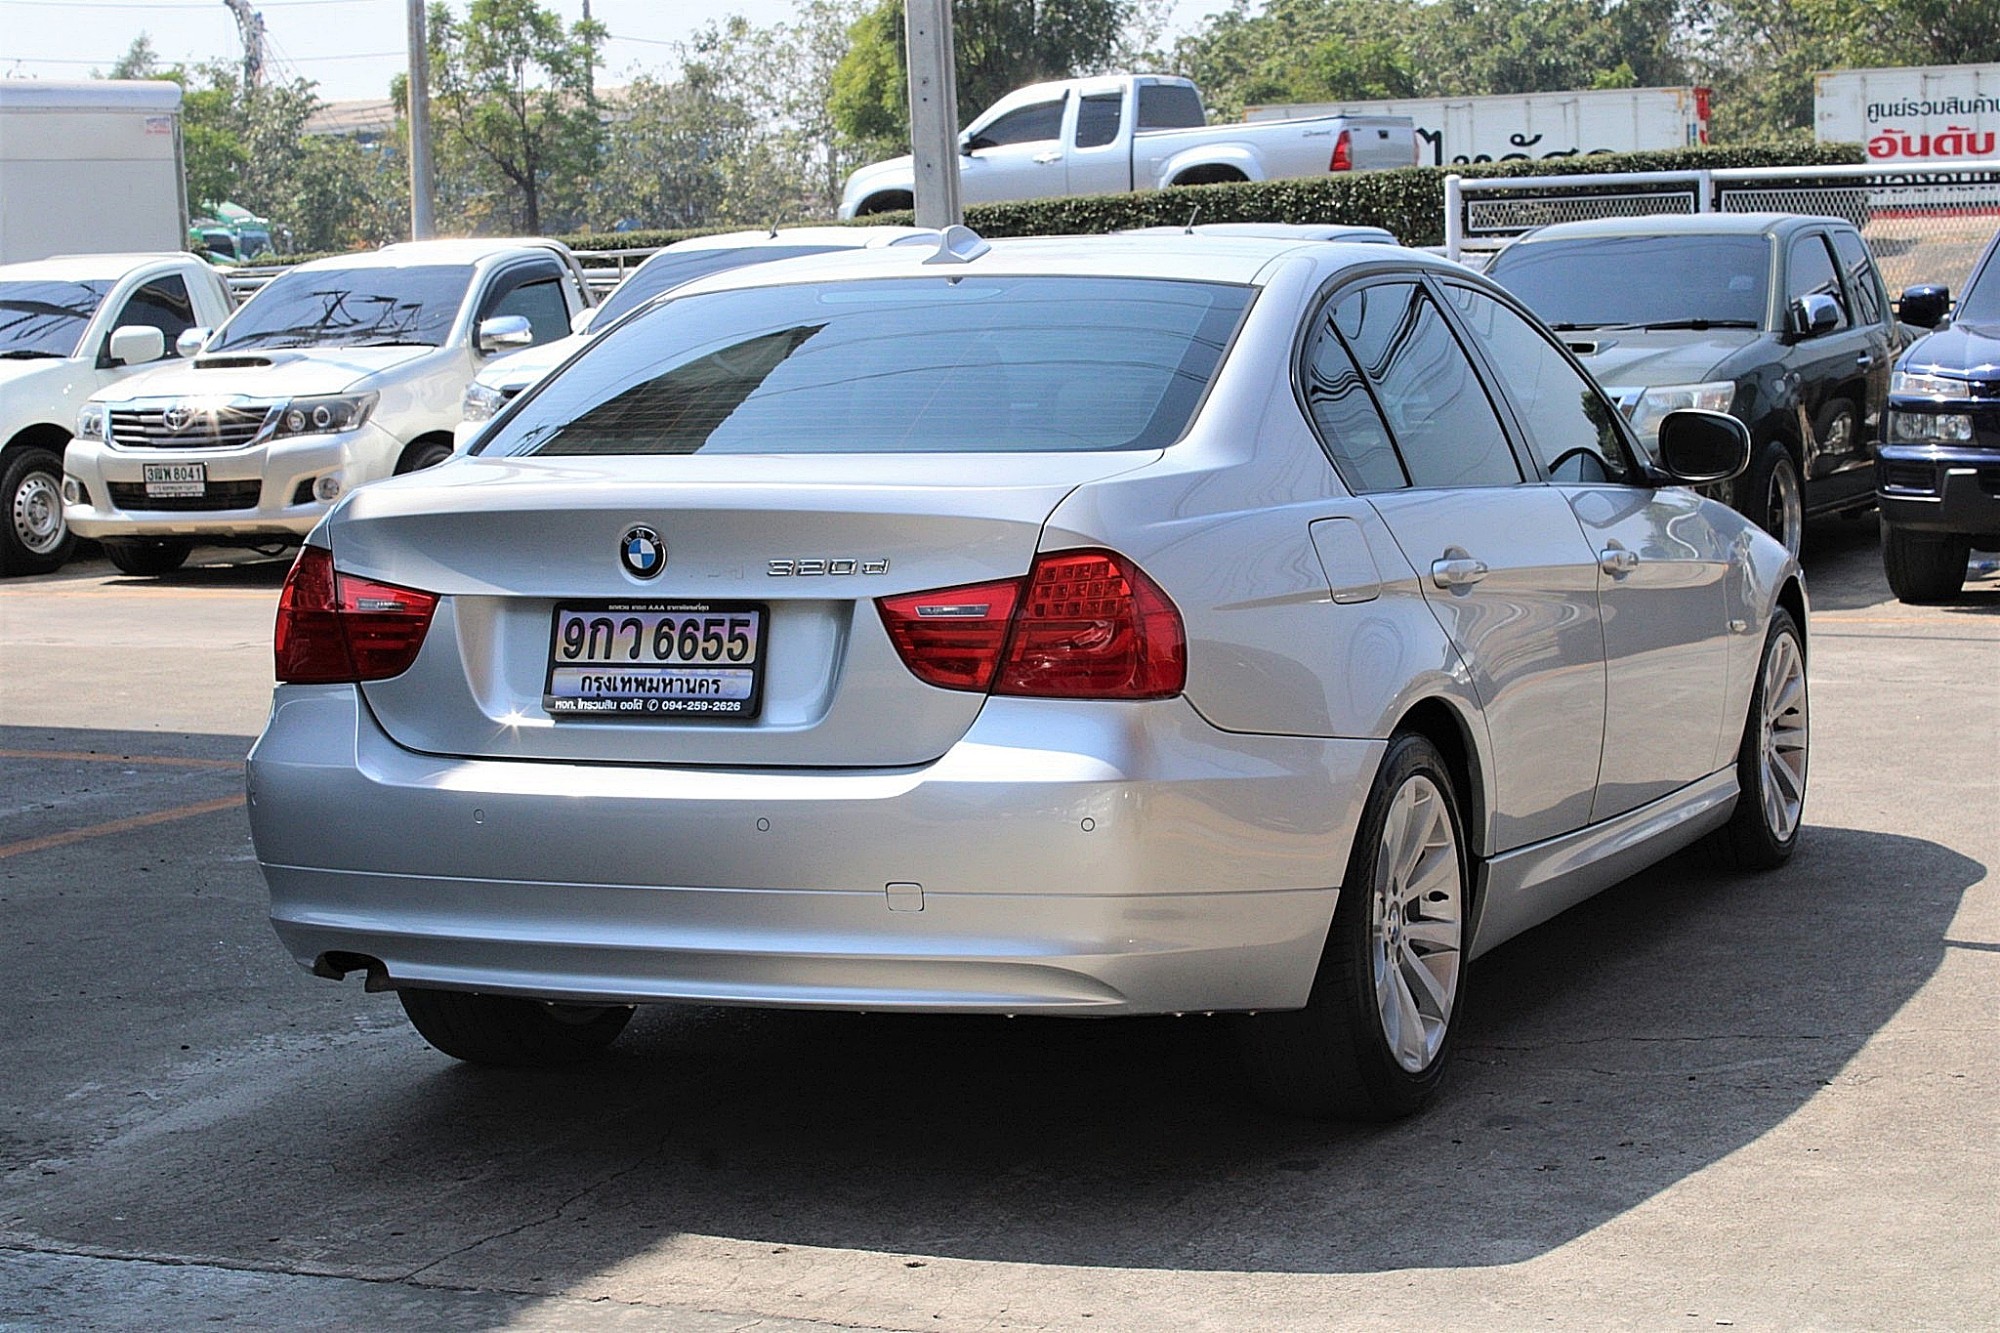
1607, 1056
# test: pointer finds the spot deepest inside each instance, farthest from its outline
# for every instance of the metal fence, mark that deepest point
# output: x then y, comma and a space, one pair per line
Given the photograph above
602, 269
1925, 223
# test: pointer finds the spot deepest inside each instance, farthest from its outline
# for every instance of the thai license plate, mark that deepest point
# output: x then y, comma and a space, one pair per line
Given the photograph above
166, 480
657, 661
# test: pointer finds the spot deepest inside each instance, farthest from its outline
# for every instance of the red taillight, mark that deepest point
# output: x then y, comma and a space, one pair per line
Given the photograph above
1086, 625
1343, 154
335, 628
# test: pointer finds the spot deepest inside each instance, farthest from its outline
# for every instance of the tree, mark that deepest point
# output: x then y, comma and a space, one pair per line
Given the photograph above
999, 45
685, 152
512, 91
140, 60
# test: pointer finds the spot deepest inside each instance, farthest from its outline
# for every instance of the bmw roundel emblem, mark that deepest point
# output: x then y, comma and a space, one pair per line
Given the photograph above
642, 552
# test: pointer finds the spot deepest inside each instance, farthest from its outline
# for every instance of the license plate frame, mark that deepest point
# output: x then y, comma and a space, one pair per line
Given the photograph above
596, 687
175, 481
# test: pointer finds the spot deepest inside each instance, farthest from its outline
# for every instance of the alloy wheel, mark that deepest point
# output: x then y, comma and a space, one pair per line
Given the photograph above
1782, 737
1417, 923
38, 514
1784, 507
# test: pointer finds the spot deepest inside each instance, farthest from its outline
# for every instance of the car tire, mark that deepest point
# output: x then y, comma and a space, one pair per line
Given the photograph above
1923, 568
145, 556
1771, 761
508, 1031
422, 454
33, 537
1354, 1052
1770, 493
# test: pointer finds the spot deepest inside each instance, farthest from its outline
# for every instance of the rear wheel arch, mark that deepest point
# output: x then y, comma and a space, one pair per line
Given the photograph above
1212, 173
885, 201
1792, 597
1445, 727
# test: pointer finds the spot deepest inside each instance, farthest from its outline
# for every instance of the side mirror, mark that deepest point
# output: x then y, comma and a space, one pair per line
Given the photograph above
1700, 448
1810, 316
581, 321
191, 341
136, 344
503, 333
1924, 306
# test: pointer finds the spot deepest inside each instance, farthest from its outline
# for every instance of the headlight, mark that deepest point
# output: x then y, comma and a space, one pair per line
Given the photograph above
1656, 402
1930, 428
482, 403
90, 422
1922, 384
324, 416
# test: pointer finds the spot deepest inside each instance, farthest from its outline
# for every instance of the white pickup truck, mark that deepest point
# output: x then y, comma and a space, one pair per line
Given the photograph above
1131, 132
69, 327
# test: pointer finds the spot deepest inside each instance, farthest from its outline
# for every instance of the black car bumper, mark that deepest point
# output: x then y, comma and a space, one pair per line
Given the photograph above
1926, 489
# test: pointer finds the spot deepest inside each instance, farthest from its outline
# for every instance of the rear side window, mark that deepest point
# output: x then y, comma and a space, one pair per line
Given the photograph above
1863, 283
162, 304
1344, 416
1097, 119
1170, 106
668, 270
1811, 273
1445, 429
916, 365
1029, 124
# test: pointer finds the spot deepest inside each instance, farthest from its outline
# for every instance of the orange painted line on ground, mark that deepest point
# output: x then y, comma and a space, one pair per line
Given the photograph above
64, 839
85, 757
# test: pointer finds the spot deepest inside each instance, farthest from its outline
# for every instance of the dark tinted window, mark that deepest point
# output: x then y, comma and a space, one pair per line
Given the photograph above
1348, 425
1445, 428
1169, 106
1097, 118
46, 318
536, 295
1030, 124
667, 270
361, 307
1593, 281
1863, 283
1811, 273
1569, 423
957, 364
162, 304
1980, 301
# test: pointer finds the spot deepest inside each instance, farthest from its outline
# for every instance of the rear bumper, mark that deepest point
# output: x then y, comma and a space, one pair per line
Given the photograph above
1081, 858
275, 478
1946, 491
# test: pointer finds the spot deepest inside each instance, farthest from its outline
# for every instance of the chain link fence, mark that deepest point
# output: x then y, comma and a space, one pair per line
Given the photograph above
1924, 224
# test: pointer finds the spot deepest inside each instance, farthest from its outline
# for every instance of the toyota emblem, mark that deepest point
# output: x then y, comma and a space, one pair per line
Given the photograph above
642, 552
178, 417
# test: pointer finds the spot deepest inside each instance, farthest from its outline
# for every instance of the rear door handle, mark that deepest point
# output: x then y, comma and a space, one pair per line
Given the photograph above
1865, 360
1457, 571
1617, 561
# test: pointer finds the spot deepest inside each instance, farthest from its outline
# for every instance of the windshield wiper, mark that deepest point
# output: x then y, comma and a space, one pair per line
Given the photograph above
27, 354
1688, 324
1568, 326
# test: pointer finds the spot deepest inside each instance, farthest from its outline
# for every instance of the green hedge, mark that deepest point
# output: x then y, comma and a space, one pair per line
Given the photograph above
1409, 203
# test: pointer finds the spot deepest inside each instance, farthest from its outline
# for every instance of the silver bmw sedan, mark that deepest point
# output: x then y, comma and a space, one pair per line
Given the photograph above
1118, 625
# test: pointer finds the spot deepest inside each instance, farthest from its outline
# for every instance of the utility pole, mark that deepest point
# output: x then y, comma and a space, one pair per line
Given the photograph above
423, 222
933, 112
589, 69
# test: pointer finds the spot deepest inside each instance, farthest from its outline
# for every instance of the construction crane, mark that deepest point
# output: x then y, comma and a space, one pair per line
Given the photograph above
250, 25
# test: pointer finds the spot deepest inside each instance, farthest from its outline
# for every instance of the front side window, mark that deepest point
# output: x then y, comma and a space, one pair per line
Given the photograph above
404, 306
1569, 424
1980, 302
1097, 118
45, 319
536, 295
917, 365
162, 304
1811, 273
1593, 282
1028, 124
1862, 281
1445, 428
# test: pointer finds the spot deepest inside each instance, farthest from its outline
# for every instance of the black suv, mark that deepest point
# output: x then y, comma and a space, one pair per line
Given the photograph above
1778, 319
1937, 473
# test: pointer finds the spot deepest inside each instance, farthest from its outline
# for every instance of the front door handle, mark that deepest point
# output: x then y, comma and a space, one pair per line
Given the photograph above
1046, 158
1617, 561
1457, 571
1865, 360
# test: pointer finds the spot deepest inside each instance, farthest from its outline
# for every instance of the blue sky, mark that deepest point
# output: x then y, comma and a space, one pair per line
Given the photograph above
351, 47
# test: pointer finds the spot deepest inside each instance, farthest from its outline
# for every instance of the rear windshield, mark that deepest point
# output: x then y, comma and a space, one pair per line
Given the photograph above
359, 307
1595, 281
916, 365
45, 319
667, 270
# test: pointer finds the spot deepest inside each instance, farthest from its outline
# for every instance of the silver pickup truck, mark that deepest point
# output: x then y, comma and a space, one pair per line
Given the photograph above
1132, 132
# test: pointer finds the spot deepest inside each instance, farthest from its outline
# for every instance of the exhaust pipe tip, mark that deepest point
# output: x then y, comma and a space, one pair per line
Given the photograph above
335, 964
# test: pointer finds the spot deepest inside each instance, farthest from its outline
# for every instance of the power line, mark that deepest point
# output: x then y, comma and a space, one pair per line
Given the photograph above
175, 4
290, 60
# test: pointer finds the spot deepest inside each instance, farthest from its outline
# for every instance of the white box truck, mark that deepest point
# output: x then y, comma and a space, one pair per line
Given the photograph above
1514, 127
90, 168
1925, 113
